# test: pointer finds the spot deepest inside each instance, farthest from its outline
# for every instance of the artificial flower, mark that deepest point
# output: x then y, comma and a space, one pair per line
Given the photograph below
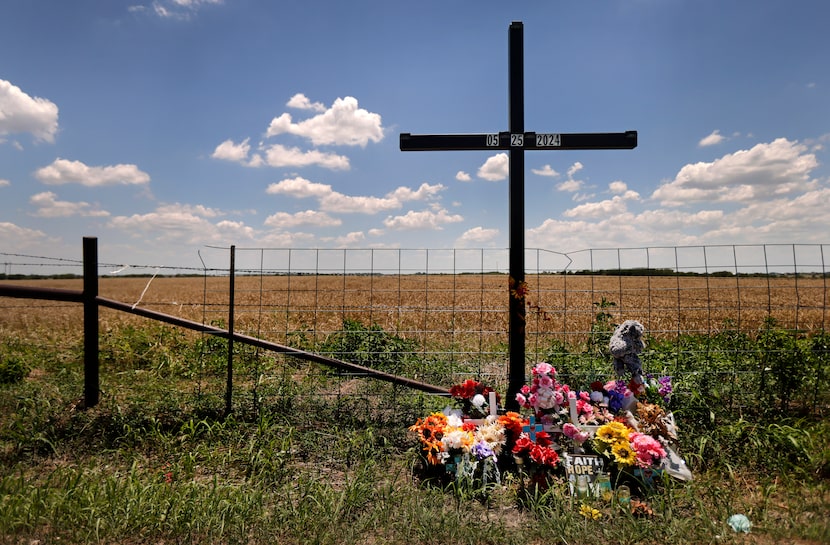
613, 432
649, 451
575, 434
589, 512
431, 432
624, 454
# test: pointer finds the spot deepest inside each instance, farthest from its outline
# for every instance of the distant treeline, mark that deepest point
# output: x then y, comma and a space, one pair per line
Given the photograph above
644, 271
79, 277
637, 271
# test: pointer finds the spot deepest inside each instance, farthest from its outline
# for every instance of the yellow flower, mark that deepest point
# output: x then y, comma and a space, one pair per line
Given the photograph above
589, 512
624, 454
613, 432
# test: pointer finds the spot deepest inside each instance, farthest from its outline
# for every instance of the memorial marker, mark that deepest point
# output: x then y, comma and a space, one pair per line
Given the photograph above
516, 140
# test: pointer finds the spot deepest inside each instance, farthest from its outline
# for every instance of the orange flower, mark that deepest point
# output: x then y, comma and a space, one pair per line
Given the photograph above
512, 423
430, 431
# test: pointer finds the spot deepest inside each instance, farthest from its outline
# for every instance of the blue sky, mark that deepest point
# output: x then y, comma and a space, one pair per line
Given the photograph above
164, 126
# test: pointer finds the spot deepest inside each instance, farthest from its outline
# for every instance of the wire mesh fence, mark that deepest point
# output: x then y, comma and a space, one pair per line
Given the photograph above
740, 321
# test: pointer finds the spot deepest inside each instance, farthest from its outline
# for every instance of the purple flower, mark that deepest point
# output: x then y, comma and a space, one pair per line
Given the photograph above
664, 388
615, 401
481, 451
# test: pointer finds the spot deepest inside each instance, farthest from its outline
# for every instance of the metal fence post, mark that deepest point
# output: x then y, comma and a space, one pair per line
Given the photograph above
231, 299
90, 293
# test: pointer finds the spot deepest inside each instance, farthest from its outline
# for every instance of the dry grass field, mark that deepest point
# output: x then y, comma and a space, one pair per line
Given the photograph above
444, 309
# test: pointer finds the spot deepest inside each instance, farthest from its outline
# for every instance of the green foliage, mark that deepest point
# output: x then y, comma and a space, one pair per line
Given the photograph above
602, 328
373, 347
315, 457
12, 368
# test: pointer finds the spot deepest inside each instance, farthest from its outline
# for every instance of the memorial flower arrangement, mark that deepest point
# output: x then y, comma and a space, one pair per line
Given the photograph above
627, 423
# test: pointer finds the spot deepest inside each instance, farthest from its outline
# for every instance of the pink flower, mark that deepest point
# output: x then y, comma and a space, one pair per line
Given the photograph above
574, 433
545, 382
521, 400
543, 368
584, 407
648, 449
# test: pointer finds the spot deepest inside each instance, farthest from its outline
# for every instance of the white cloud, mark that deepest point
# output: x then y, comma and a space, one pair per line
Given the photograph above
462, 176
570, 186
495, 168
13, 236
333, 201
194, 209
49, 207
182, 223
545, 171
230, 151
711, 140
342, 124
425, 219
330, 200
617, 187
280, 156
606, 208
574, 168
63, 171
299, 187
4, 183
301, 102
177, 9
425, 191
778, 168
21, 113
284, 220
609, 224
349, 239
347, 204
476, 236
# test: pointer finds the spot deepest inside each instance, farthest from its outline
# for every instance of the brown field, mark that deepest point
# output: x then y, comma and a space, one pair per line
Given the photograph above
444, 309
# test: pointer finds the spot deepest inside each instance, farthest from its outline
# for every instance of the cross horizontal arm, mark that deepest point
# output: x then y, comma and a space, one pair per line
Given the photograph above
523, 141
435, 142
597, 140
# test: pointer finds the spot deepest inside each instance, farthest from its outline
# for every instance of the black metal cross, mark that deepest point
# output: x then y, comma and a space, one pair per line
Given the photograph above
516, 140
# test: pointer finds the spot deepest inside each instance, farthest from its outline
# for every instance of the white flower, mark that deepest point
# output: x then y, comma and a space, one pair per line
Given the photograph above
545, 398
478, 400
455, 420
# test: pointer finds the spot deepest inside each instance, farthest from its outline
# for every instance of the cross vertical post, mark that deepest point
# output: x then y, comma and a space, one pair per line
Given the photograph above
516, 141
516, 190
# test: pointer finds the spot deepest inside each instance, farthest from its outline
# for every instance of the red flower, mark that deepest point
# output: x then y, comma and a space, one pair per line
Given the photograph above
465, 390
543, 439
545, 456
636, 388
523, 444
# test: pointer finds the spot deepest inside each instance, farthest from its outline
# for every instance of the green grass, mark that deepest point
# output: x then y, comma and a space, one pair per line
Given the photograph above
310, 457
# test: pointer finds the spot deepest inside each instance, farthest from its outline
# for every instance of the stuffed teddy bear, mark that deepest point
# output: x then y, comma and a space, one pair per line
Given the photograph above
626, 344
